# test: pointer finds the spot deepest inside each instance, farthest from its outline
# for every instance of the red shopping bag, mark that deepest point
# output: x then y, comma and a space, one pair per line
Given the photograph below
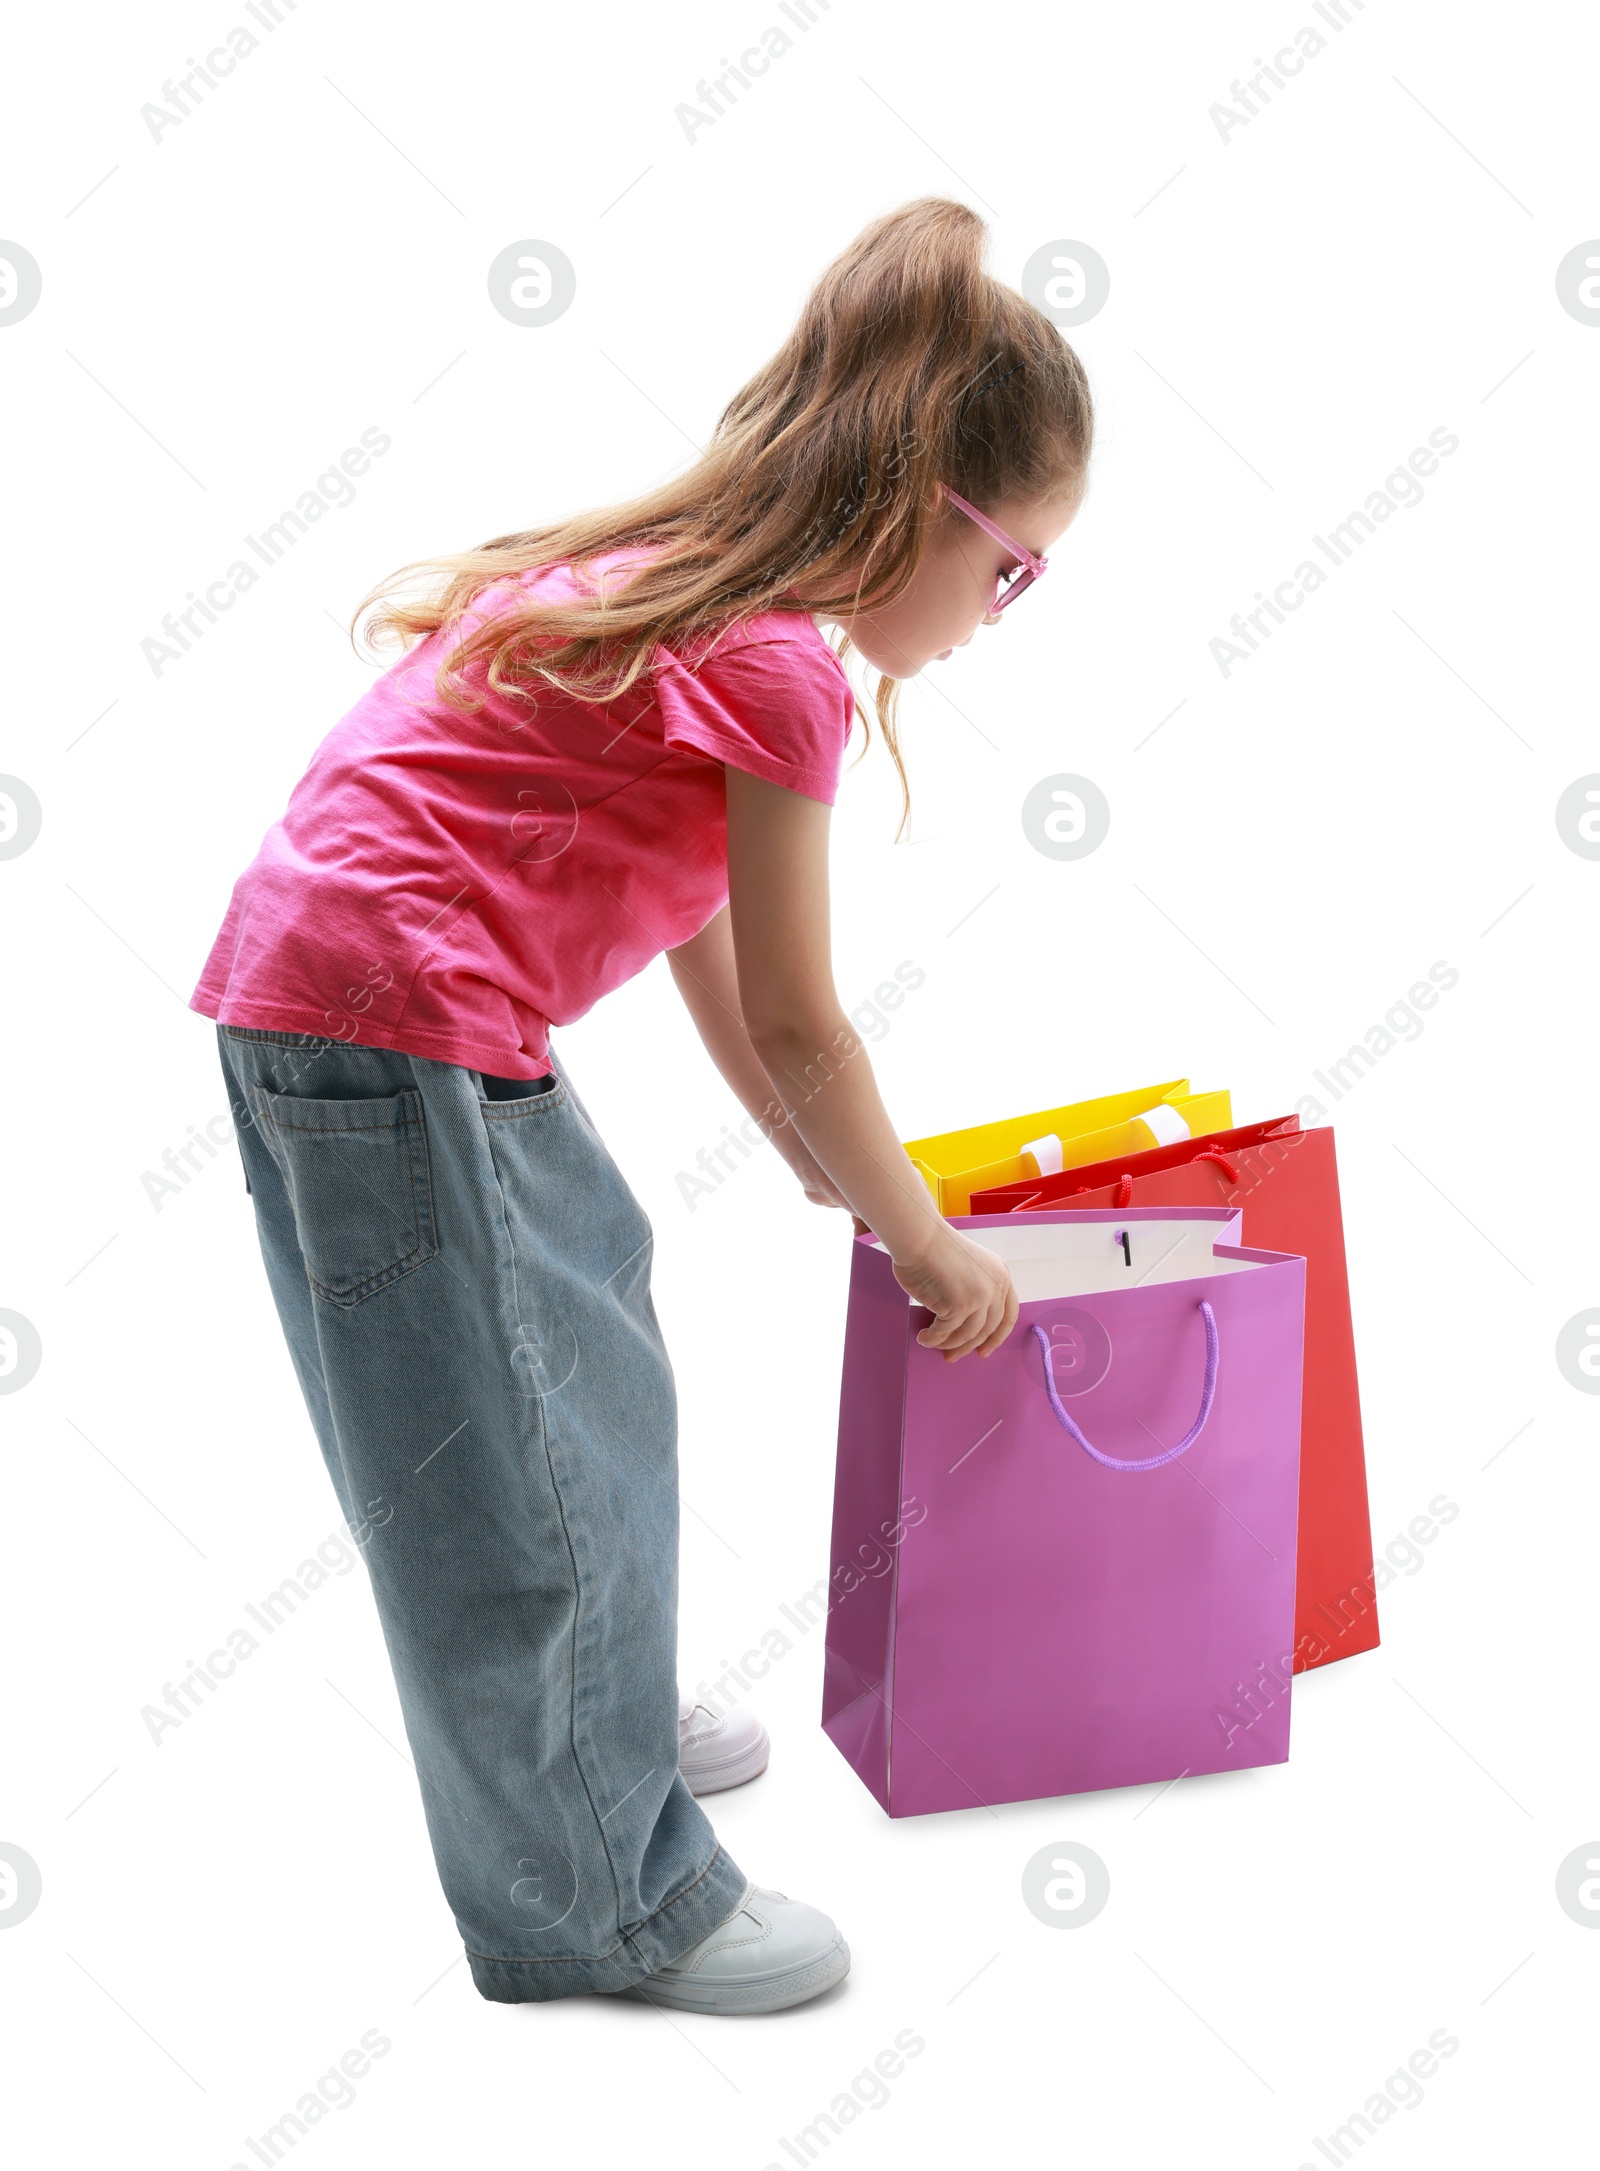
1286, 1180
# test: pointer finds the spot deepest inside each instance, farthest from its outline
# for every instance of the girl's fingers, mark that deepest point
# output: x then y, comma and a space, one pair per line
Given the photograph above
941, 1334
947, 1327
971, 1336
966, 1348
982, 1324
994, 1331
971, 1328
999, 1335
1007, 1321
981, 1321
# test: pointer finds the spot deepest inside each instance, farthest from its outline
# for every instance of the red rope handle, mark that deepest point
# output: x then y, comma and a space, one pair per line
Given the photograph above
1214, 1153
1124, 1195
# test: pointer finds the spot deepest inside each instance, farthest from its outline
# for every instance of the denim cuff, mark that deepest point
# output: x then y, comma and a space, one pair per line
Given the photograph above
695, 1912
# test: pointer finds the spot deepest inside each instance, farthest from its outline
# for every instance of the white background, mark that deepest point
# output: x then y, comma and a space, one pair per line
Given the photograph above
1291, 312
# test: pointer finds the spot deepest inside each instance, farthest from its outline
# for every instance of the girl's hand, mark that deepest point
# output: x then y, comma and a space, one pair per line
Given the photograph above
818, 1186
968, 1290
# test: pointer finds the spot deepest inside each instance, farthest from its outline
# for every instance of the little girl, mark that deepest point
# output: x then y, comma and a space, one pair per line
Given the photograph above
610, 738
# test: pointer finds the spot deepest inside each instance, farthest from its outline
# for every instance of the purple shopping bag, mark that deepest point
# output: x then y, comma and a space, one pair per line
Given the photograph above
1071, 1564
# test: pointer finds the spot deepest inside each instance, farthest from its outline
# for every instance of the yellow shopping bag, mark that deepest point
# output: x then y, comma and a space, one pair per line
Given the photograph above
957, 1163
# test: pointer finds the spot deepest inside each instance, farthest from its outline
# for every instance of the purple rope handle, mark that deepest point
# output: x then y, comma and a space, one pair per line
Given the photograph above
1150, 1462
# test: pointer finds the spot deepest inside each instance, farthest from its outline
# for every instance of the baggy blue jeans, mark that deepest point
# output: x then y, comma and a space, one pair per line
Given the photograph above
463, 1278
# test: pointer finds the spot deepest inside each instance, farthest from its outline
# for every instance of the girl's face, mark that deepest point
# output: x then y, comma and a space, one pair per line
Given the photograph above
954, 584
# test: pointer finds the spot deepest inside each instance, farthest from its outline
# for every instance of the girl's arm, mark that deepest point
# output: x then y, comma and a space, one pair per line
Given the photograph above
708, 981
818, 1065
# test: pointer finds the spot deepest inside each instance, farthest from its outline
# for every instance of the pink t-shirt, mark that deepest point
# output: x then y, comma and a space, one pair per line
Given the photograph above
452, 884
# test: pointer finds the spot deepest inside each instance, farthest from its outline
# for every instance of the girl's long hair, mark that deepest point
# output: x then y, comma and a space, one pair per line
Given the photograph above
910, 366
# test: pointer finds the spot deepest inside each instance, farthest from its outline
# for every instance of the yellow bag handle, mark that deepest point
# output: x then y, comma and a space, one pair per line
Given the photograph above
954, 1164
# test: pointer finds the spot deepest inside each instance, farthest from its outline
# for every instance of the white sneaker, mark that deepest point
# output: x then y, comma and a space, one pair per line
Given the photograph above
719, 1751
772, 1952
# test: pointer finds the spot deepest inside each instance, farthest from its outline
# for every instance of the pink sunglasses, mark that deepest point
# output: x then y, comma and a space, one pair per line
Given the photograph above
1008, 586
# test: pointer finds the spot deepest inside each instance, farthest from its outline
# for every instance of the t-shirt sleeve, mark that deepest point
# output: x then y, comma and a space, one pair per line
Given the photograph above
779, 709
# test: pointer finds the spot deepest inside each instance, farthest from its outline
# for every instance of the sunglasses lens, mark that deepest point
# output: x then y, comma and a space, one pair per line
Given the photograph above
1011, 586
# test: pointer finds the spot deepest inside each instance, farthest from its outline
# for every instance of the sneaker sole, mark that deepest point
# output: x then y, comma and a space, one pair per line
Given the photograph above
773, 1993
736, 1771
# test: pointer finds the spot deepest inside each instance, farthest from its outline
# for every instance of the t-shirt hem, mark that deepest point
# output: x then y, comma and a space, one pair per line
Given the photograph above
810, 783
697, 733
436, 1047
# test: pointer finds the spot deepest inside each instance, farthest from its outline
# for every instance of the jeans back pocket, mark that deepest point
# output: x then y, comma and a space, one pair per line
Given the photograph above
358, 1180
